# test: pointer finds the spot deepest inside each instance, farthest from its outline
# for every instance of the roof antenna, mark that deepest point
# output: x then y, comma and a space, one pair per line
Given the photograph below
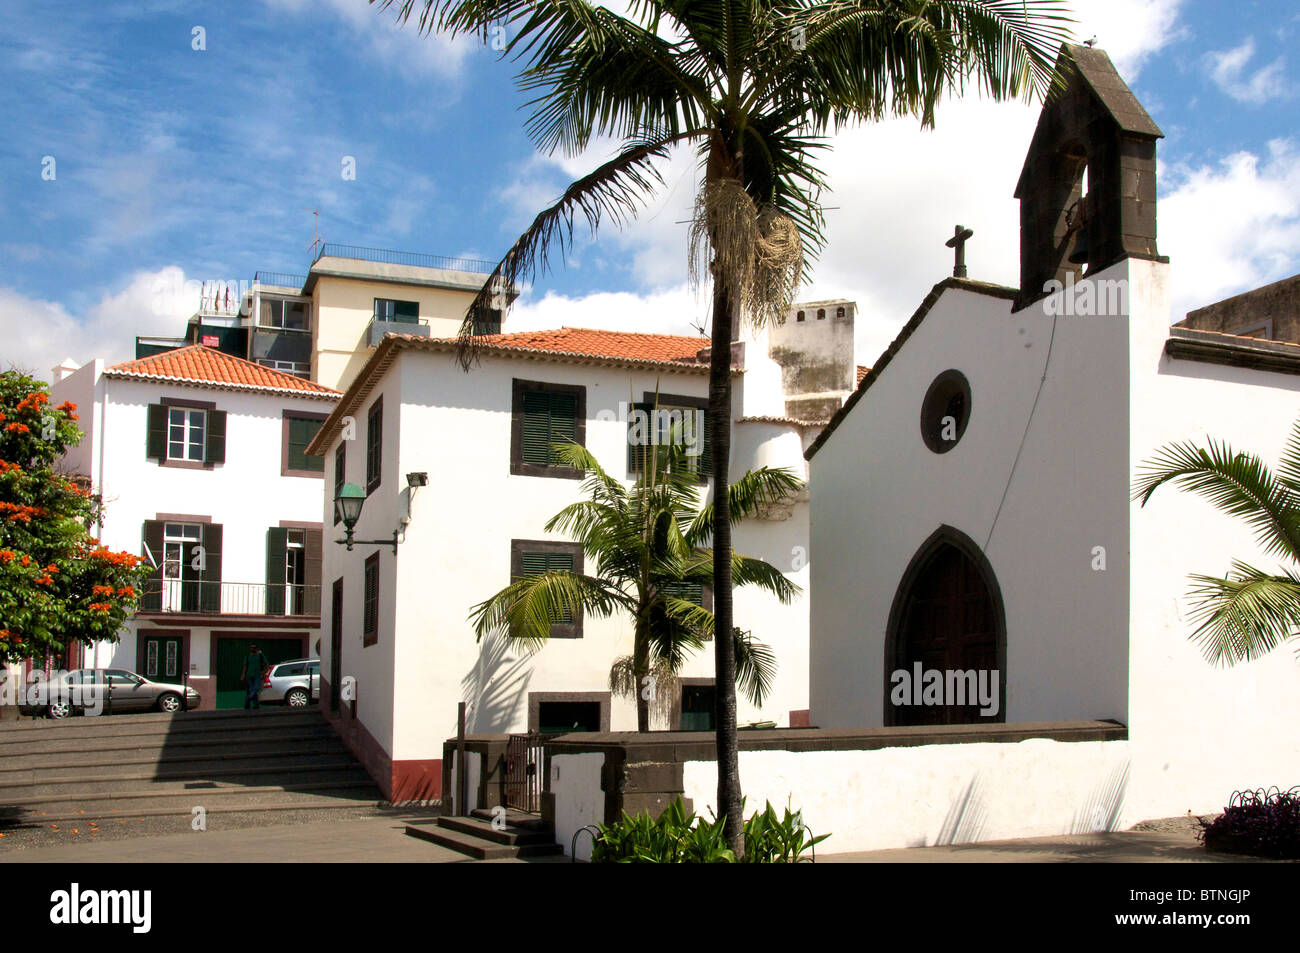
315, 242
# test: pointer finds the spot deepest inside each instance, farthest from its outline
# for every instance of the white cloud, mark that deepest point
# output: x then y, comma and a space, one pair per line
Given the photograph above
671, 311
40, 334
1129, 31
1228, 69
1233, 226
399, 46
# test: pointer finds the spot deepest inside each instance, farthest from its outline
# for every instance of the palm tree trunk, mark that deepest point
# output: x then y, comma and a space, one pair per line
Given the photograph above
724, 646
640, 669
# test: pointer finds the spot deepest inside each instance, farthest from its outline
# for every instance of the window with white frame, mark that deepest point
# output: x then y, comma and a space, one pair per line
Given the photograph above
179, 540
186, 433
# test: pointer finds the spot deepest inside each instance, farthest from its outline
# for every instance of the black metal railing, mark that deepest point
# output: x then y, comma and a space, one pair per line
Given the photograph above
280, 279
525, 772
388, 257
229, 598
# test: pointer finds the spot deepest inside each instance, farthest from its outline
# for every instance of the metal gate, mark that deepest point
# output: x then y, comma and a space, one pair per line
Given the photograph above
525, 767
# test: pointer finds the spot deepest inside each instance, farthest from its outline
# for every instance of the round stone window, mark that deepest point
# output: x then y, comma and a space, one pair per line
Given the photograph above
945, 412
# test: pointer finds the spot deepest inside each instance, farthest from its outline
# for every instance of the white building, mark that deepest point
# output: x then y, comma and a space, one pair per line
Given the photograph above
397, 623
199, 459
971, 511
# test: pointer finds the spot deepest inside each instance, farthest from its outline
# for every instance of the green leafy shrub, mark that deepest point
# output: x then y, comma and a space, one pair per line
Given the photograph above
677, 836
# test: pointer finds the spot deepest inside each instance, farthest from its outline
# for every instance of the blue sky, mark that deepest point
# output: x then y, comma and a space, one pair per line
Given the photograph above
173, 160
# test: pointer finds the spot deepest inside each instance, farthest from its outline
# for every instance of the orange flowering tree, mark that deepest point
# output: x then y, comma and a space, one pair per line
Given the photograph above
58, 585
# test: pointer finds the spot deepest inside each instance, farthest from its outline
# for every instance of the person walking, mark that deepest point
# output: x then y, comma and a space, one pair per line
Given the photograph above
255, 666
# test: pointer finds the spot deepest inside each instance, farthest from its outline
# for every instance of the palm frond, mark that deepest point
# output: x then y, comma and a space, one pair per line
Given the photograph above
614, 191
747, 496
526, 609
1245, 615
755, 667
1237, 483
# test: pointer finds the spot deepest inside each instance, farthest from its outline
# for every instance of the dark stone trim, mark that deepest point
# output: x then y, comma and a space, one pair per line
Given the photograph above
678, 401
675, 719
180, 518
535, 700
517, 465
186, 402
961, 284
300, 524
946, 536
285, 416
572, 630
209, 620
1215, 347
701, 746
931, 439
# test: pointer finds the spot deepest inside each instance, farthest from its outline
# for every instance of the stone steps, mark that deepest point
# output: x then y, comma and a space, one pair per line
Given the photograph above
485, 837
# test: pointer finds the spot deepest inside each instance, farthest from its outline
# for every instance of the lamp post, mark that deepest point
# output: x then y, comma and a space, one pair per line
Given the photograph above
347, 508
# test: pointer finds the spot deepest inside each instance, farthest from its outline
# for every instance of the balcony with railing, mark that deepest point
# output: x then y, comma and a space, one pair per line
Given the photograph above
381, 325
193, 596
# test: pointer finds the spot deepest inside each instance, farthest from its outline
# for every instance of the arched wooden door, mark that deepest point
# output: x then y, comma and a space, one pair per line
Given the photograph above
948, 616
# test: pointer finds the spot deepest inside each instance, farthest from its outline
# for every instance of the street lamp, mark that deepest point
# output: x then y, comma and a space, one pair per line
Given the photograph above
347, 509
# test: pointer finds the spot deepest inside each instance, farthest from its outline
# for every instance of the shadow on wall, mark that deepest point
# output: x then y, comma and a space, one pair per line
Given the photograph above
495, 687
1102, 809
966, 818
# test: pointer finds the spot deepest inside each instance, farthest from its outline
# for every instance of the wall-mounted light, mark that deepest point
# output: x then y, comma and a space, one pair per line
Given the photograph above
347, 509
417, 479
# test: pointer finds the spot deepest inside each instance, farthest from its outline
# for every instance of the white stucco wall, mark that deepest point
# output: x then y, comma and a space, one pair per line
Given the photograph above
878, 493
246, 494
933, 794
1199, 732
456, 553
579, 801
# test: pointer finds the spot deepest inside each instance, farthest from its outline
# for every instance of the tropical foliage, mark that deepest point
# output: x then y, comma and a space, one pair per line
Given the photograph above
58, 586
1249, 611
677, 836
649, 546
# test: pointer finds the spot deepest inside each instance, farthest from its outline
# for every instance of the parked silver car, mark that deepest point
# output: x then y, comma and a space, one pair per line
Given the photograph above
295, 683
102, 691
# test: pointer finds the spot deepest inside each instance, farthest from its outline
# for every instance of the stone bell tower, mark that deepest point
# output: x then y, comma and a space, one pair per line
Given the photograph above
1088, 187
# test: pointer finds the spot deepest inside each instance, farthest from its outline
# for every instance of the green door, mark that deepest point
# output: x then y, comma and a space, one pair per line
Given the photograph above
230, 662
163, 659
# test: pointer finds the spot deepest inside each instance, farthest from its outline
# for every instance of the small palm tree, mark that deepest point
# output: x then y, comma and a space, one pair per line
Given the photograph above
1249, 612
649, 544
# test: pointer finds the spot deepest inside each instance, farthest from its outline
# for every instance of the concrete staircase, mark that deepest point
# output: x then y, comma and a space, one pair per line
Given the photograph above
151, 765
522, 835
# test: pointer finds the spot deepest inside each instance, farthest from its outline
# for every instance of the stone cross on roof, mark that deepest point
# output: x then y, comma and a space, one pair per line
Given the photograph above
958, 241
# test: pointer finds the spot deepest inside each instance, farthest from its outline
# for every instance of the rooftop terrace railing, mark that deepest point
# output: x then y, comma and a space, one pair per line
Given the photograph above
415, 259
280, 279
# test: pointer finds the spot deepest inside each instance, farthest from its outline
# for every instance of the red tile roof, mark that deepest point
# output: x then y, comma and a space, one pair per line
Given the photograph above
863, 371
590, 342
201, 365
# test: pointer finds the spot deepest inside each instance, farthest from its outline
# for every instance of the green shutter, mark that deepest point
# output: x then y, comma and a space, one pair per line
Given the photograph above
153, 545
690, 591
535, 428
564, 422
312, 571
277, 547
210, 577
215, 452
301, 433
156, 440
340, 472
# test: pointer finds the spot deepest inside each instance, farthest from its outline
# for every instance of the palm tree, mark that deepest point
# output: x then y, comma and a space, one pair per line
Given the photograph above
1248, 612
755, 86
650, 546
